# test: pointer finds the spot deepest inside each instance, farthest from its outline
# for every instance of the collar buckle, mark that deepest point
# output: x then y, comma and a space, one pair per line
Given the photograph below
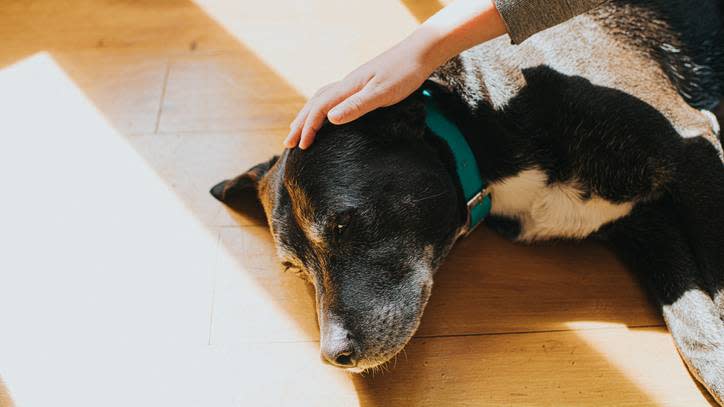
476, 200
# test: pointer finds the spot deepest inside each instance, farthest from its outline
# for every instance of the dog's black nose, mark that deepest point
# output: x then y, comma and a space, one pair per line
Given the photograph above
342, 357
338, 348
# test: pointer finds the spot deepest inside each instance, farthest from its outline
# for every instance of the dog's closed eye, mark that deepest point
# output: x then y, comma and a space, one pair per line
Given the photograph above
342, 222
340, 229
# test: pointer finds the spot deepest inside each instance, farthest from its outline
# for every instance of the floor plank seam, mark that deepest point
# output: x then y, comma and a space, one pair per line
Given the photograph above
163, 95
200, 133
538, 331
465, 335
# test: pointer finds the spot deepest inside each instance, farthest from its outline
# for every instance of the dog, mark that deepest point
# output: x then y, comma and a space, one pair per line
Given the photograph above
599, 128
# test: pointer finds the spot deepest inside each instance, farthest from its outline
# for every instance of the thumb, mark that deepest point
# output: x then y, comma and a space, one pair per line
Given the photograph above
354, 107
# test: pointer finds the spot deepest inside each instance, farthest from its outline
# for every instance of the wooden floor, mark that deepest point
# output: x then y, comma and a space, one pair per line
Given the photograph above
123, 283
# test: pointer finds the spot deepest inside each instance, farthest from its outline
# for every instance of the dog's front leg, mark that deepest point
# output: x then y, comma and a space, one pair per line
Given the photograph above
653, 242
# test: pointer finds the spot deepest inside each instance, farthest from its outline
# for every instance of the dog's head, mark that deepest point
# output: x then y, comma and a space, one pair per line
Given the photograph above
366, 214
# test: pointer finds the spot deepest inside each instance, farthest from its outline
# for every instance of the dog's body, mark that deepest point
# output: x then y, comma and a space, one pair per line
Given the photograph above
592, 129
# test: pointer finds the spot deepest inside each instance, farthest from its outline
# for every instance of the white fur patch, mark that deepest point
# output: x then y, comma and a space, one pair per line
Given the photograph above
713, 137
551, 211
713, 121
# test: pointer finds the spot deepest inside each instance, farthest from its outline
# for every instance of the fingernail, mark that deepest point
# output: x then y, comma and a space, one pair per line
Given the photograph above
335, 115
303, 143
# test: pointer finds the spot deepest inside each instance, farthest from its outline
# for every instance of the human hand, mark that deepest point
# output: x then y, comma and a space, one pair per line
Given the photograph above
387, 79
399, 71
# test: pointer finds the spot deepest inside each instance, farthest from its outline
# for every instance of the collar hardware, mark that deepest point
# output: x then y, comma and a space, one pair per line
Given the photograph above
474, 203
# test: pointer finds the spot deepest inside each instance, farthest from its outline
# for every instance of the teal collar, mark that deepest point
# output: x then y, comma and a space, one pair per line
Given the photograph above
474, 189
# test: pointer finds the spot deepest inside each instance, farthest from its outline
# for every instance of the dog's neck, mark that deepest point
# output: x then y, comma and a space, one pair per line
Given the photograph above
467, 97
473, 97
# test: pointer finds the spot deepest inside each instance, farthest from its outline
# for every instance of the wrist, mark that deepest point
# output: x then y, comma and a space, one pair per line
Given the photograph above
457, 27
427, 47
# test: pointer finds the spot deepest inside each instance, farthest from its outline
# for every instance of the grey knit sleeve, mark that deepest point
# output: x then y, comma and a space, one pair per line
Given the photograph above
524, 18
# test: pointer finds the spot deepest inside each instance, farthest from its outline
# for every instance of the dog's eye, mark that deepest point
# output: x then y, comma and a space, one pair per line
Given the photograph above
342, 222
340, 229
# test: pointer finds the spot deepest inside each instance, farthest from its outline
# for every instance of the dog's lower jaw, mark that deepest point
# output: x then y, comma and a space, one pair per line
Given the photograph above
378, 362
374, 366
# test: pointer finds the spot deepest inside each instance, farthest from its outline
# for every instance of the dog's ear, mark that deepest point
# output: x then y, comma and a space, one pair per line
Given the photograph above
228, 190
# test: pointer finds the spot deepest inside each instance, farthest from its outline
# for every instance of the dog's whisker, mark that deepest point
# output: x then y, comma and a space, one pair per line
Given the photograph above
429, 197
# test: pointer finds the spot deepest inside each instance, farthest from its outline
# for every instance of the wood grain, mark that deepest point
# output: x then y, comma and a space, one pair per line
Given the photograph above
542, 369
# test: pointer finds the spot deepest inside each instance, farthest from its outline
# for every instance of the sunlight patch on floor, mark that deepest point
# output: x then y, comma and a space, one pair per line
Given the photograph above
315, 42
635, 351
106, 277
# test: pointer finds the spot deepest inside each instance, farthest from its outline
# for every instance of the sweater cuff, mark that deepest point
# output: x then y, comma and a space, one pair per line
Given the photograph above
524, 18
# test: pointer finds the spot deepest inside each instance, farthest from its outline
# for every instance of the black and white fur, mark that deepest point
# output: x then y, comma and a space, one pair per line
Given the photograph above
598, 128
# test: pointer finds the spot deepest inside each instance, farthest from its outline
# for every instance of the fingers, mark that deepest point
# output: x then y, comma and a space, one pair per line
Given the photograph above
316, 115
311, 117
355, 106
295, 128
341, 102
314, 121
